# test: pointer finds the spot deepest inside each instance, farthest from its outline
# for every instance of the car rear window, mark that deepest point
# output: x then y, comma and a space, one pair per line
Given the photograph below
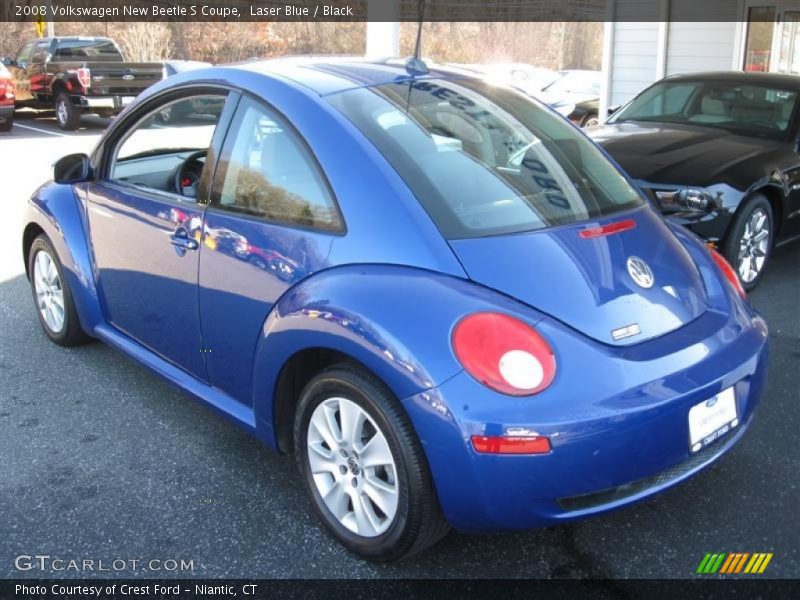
485, 160
87, 50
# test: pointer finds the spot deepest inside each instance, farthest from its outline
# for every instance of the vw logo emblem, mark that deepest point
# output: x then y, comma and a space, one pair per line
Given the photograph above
640, 272
128, 77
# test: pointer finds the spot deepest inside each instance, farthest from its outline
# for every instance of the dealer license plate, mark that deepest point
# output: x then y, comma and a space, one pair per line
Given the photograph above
711, 419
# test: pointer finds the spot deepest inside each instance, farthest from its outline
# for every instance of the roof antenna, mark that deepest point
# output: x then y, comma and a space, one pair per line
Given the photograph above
414, 64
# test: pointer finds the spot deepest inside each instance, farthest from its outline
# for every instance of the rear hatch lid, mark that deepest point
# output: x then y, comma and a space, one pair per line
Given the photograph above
619, 288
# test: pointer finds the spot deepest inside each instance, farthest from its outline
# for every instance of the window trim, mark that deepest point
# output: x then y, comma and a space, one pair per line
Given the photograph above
102, 159
221, 169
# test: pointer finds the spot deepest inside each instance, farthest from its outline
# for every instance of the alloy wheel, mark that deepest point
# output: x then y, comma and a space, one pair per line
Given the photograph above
61, 112
49, 293
352, 467
753, 246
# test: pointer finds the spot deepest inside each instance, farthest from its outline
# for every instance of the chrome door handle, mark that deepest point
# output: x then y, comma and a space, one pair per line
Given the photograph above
181, 239
182, 242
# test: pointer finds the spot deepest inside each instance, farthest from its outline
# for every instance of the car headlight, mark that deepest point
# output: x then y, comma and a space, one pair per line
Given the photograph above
565, 110
694, 199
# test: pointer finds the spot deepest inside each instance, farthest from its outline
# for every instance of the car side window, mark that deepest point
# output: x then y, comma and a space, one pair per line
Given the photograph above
25, 53
40, 54
166, 149
270, 173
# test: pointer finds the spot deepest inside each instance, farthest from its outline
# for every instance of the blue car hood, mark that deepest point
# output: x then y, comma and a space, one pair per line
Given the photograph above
586, 283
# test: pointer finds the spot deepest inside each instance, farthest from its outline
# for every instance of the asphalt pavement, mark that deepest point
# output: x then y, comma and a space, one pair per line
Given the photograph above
101, 460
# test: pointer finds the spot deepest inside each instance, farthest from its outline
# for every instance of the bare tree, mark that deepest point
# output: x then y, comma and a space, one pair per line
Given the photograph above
143, 42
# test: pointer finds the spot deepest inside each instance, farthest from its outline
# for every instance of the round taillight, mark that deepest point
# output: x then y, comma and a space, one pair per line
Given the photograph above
504, 354
728, 272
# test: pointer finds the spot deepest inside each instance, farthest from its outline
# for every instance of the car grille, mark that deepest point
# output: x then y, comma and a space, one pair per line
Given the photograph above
595, 499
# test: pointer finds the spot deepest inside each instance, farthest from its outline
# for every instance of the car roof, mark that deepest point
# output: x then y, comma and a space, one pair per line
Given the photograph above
330, 75
776, 79
74, 38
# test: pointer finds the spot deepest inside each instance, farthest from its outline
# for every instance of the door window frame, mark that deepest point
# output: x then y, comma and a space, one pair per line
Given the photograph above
221, 169
102, 158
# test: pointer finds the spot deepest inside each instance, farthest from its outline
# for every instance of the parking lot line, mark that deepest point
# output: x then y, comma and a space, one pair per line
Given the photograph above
40, 130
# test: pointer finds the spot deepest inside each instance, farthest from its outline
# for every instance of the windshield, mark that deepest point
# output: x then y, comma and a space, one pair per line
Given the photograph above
576, 82
88, 49
485, 160
737, 107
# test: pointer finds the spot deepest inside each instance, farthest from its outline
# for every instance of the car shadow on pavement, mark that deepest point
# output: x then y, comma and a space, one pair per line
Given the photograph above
45, 124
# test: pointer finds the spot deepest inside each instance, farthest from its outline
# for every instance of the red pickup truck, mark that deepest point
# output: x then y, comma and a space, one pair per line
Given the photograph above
76, 75
6, 100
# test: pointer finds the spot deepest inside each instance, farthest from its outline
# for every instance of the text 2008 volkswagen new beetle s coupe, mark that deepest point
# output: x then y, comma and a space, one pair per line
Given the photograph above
437, 293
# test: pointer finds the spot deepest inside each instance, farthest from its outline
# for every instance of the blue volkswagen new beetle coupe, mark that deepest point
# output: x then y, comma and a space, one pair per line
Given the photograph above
440, 296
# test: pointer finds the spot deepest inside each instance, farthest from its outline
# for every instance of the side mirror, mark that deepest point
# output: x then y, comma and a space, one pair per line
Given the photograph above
71, 169
613, 109
9, 62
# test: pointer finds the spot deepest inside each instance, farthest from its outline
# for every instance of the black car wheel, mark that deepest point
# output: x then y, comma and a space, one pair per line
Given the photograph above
68, 116
748, 244
363, 466
6, 125
590, 120
52, 296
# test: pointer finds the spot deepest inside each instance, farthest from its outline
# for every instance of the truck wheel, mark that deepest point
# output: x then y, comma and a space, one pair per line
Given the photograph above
68, 117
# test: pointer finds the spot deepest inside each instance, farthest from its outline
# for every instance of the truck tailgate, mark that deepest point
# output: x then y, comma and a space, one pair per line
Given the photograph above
109, 78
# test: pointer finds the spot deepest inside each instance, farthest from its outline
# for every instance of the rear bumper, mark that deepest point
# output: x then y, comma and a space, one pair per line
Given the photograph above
115, 103
617, 420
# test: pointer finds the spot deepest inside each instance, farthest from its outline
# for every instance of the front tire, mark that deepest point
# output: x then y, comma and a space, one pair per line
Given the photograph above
68, 116
363, 466
748, 244
590, 120
52, 296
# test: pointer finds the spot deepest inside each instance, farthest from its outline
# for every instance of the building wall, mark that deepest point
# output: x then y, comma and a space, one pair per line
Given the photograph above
634, 59
644, 46
693, 47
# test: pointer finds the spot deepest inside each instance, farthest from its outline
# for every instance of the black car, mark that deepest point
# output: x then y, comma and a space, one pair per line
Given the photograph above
575, 95
720, 154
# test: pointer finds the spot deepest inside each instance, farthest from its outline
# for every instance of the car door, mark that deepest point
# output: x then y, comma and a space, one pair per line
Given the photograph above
36, 70
22, 88
145, 216
271, 223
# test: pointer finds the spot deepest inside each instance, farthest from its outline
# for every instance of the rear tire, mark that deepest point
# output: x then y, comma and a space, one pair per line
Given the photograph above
590, 120
397, 514
52, 297
68, 116
6, 125
748, 244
